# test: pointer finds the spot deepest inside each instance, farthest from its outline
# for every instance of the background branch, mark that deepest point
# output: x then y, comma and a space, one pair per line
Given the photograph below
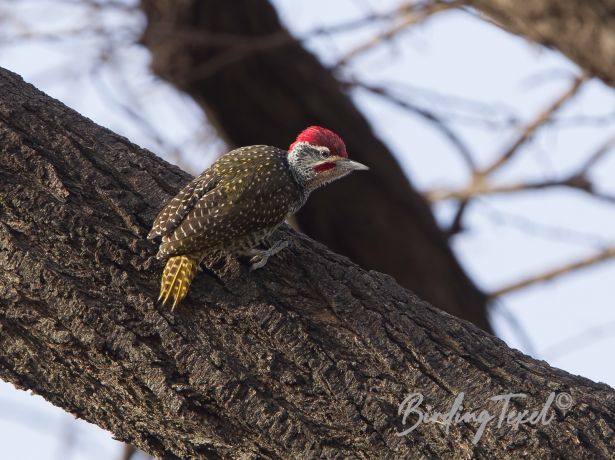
583, 31
542, 118
549, 275
405, 16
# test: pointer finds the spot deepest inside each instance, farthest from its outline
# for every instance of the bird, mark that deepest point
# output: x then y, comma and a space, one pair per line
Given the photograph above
236, 204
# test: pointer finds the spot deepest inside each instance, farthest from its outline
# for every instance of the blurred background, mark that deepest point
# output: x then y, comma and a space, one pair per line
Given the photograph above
492, 188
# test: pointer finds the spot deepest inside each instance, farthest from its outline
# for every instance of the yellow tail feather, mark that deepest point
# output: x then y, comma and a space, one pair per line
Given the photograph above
176, 278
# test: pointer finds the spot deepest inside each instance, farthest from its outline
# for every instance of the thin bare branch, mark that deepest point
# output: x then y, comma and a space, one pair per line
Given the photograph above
244, 47
609, 198
605, 148
128, 452
456, 225
408, 15
499, 307
602, 256
480, 184
578, 341
541, 229
247, 48
531, 128
200, 36
437, 122
485, 188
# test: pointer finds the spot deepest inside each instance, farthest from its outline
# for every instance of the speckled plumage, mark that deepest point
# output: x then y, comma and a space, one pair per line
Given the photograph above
235, 204
232, 206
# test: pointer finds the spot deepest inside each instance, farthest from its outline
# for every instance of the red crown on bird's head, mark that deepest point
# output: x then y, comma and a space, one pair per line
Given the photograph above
317, 135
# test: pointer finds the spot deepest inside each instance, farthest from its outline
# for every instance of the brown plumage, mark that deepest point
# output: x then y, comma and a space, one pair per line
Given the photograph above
239, 201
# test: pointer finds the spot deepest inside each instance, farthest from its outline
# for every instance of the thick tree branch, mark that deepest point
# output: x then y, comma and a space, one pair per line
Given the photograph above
265, 88
309, 357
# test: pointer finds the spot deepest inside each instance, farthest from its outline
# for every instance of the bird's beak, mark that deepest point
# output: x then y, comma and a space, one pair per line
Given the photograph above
350, 165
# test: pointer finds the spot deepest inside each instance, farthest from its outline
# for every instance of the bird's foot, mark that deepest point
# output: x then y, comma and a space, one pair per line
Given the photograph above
260, 257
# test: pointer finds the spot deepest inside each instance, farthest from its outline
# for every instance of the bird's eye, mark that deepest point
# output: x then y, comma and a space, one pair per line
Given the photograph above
324, 153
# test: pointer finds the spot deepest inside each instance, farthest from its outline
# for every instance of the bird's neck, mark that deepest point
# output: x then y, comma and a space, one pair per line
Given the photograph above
301, 159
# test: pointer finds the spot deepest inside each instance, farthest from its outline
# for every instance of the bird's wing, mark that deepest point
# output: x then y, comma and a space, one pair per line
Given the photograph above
175, 210
246, 199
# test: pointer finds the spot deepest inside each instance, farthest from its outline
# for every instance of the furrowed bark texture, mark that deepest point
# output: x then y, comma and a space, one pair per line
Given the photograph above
260, 86
582, 30
308, 357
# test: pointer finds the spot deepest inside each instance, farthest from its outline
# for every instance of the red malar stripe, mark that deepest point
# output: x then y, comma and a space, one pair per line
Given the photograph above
324, 166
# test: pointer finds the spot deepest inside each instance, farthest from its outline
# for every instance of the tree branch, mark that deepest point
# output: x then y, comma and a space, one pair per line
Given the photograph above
310, 356
436, 122
578, 180
583, 31
532, 127
484, 188
407, 15
601, 256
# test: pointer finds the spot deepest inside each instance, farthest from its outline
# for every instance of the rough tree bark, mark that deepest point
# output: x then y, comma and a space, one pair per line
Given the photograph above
259, 85
309, 357
582, 30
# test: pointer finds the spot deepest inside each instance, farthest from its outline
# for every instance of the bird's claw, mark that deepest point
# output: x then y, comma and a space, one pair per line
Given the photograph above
257, 262
261, 258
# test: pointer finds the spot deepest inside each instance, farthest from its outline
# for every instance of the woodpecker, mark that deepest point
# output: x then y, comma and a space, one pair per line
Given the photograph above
235, 204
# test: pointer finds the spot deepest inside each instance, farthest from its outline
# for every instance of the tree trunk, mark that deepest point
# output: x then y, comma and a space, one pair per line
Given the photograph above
309, 357
260, 86
582, 30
